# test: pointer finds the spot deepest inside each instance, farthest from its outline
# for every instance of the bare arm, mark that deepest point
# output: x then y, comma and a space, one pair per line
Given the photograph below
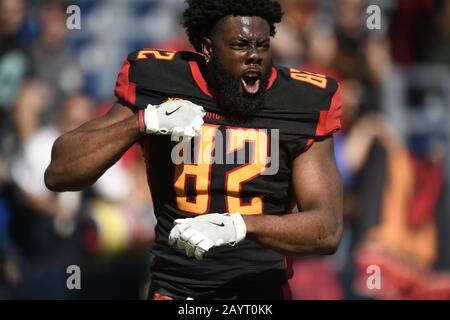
81, 156
317, 228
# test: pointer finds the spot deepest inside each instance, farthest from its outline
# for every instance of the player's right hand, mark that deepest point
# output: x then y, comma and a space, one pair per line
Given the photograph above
180, 118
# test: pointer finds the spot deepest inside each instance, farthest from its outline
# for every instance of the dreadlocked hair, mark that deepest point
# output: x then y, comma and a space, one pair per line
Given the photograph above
201, 16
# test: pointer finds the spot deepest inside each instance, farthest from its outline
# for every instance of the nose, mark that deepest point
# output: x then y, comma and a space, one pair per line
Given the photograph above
254, 56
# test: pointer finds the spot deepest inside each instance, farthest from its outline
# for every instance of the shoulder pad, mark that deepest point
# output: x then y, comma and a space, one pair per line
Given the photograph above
151, 70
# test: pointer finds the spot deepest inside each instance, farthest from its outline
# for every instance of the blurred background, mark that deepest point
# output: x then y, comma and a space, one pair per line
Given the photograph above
393, 151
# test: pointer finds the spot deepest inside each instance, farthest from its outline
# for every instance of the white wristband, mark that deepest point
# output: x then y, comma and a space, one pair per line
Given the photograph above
151, 119
239, 226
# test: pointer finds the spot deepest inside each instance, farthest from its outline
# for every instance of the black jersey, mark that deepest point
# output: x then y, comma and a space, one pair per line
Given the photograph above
299, 108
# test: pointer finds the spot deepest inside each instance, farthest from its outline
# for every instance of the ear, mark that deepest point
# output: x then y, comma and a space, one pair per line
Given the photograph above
207, 48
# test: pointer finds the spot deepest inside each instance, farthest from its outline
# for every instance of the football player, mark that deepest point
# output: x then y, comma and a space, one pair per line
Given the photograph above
231, 142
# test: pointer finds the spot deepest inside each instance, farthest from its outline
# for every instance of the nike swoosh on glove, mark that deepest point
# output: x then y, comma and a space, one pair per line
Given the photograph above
180, 118
197, 235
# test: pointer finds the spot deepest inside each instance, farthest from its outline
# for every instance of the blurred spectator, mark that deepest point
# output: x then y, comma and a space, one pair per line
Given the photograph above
32, 99
315, 279
287, 46
300, 14
14, 66
13, 58
350, 34
354, 143
384, 84
53, 62
410, 29
401, 235
321, 52
438, 40
43, 223
30, 163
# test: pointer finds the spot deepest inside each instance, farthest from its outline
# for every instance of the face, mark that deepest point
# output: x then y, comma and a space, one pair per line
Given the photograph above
239, 61
54, 30
75, 111
12, 14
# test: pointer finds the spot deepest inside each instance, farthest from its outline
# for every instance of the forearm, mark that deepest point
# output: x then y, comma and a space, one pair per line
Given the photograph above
80, 157
296, 234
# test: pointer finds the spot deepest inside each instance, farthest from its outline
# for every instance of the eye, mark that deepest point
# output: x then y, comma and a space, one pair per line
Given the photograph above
264, 46
238, 45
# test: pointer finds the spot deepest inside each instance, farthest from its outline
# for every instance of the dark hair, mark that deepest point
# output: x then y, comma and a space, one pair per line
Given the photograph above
201, 16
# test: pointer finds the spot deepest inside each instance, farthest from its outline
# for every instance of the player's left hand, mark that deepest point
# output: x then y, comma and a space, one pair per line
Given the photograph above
197, 235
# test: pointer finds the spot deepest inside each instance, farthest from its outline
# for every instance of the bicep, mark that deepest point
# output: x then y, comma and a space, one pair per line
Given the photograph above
116, 114
316, 179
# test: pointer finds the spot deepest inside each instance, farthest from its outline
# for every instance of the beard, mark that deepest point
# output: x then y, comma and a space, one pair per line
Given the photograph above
236, 104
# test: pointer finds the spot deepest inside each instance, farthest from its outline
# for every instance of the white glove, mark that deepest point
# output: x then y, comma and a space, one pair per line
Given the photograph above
181, 118
198, 235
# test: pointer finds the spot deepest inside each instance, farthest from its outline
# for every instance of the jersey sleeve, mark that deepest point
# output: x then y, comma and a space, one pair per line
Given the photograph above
324, 116
150, 76
125, 89
330, 117
145, 76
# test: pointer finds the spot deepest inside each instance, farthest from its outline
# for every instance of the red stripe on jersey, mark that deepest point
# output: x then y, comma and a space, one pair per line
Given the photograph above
125, 89
272, 78
308, 144
329, 121
198, 77
203, 85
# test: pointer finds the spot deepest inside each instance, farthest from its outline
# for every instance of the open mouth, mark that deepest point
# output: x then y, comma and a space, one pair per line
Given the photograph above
251, 83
